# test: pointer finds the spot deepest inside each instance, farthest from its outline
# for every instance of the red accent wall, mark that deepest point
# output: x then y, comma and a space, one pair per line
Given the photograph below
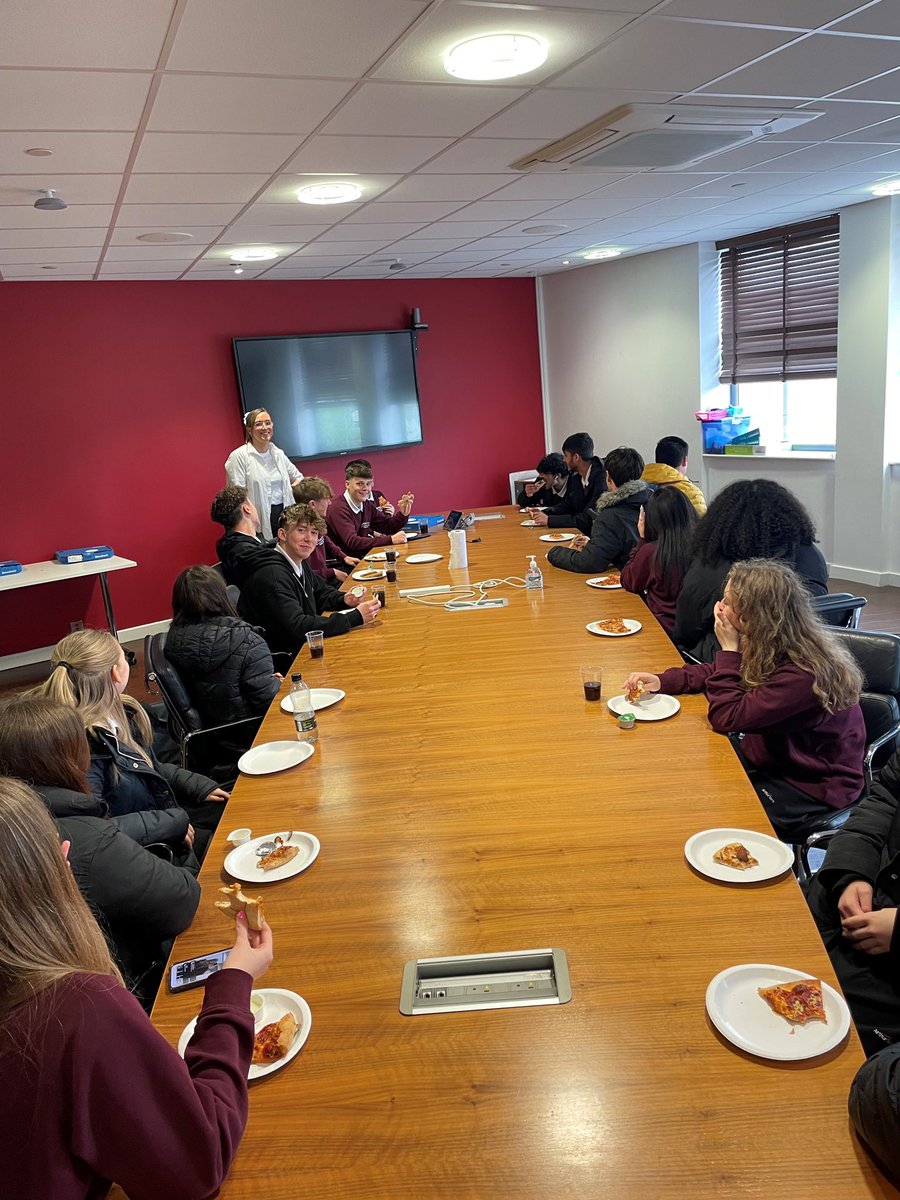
121, 407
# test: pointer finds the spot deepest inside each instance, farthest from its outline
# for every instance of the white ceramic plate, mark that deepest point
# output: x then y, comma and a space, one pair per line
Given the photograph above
321, 698
423, 558
602, 581
274, 756
633, 627
369, 573
242, 862
557, 538
652, 708
275, 1003
774, 857
534, 508
528, 524
741, 1015
412, 536
378, 556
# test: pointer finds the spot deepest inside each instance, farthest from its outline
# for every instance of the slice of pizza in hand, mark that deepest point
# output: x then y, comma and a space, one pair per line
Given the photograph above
736, 855
236, 902
797, 1002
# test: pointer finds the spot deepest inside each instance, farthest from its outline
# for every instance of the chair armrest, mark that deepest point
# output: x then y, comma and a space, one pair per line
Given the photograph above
240, 735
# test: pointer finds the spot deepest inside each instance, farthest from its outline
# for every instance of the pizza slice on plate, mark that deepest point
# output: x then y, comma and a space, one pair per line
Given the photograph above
797, 1002
273, 1041
736, 855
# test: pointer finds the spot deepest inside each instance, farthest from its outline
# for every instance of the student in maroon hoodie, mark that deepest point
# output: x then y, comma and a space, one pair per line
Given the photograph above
660, 559
317, 493
90, 1093
355, 521
787, 684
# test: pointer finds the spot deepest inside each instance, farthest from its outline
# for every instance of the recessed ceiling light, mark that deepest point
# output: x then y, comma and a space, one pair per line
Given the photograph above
39, 151
891, 188
329, 193
497, 56
167, 238
600, 253
565, 262
544, 228
254, 254
237, 269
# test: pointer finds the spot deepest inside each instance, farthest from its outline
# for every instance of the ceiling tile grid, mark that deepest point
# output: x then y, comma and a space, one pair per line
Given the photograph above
205, 119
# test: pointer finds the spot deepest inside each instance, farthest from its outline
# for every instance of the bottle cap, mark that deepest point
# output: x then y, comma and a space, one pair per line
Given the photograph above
298, 678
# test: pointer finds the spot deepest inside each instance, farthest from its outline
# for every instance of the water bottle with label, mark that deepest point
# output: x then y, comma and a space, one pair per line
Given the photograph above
304, 713
533, 576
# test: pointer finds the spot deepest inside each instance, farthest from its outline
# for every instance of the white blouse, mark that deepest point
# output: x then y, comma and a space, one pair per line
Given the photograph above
267, 478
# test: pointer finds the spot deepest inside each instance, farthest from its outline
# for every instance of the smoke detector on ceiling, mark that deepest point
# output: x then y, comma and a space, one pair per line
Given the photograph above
659, 137
50, 202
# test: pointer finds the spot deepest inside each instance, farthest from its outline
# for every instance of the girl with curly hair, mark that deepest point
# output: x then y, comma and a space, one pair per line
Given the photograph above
753, 518
786, 683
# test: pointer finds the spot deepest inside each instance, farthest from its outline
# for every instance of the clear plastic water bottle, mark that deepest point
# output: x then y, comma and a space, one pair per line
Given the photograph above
533, 576
304, 713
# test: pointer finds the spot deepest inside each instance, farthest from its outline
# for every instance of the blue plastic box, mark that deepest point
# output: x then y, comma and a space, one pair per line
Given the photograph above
84, 554
10, 567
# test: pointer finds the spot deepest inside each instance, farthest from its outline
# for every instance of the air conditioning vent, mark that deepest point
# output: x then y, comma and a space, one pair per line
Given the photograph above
659, 137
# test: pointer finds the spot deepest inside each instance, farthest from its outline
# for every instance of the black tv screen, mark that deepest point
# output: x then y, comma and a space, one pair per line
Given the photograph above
333, 393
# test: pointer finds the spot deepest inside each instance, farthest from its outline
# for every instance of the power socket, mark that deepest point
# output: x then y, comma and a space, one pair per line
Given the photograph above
76, 626
469, 605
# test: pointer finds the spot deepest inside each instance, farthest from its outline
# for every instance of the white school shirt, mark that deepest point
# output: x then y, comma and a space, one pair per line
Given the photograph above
263, 475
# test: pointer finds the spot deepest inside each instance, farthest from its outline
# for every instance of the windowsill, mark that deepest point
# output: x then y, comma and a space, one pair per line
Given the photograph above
781, 455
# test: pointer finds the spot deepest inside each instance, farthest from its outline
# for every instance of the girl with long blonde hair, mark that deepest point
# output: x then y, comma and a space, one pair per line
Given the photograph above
89, 672
90, 1093
786, 683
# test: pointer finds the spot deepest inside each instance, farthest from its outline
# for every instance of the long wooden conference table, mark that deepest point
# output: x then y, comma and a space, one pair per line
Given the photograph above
468, 800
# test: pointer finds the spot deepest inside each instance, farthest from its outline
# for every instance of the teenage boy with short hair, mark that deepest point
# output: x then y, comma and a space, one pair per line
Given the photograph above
317, 493
587, 481
670, 469
355, 522
240, 547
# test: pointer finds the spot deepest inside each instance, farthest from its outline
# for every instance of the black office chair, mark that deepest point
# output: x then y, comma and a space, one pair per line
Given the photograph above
841, 609
212, 751
878, 655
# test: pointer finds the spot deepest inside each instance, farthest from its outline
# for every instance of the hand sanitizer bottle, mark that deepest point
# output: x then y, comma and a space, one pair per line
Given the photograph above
533, 576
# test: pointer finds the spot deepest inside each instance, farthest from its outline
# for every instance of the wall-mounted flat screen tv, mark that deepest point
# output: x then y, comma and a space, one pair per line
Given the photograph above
333, 393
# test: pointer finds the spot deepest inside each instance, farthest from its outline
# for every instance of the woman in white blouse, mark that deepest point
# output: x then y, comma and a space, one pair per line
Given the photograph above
265, 471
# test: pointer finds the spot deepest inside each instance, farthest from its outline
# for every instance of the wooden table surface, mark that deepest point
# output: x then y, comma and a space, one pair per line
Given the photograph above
469, 800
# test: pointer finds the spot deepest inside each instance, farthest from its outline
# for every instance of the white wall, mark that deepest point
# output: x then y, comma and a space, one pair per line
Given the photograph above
629, 351
620, 345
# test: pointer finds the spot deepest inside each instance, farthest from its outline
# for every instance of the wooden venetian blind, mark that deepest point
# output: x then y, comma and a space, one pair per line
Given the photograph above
779, 303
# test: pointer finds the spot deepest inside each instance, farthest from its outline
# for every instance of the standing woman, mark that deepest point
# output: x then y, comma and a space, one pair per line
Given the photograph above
265, 471
661, 558
90, 1093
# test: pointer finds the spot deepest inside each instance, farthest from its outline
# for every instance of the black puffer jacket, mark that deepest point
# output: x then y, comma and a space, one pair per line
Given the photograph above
225, 666
131, 785
613, 532
139, 900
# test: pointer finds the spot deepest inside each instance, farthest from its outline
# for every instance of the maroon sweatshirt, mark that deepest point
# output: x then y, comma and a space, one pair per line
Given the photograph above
318, 560
788, 732
660, 591
91, 1093
358, 533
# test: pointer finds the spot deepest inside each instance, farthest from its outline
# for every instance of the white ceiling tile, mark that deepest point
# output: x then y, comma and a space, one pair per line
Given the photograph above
885, 87
482, 154
366, 154
881, 19
766, 150
224, 249
260, 232
553, 112
813, 67
886, 131
653, 184
76, 153
825, 155
570, 35
137, 274
626, 6
53, 277
380, 232
555, 185
293, 213
838, 117
232, 104
72, 99
192, 189
186, 251
53, 237
172, 267
167, 216
62, 254
824, 181
427, 242
77, 216
312, 263
744, 183
77, 189
202, 235
281, 37
45, 33
213, 151
798, 14
674, 56
406, 212
342, 249
446, 187
676, 206
467, 229
502, 210
445, 109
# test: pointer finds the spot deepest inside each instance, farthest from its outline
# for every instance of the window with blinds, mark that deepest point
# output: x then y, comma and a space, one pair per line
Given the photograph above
779, 303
